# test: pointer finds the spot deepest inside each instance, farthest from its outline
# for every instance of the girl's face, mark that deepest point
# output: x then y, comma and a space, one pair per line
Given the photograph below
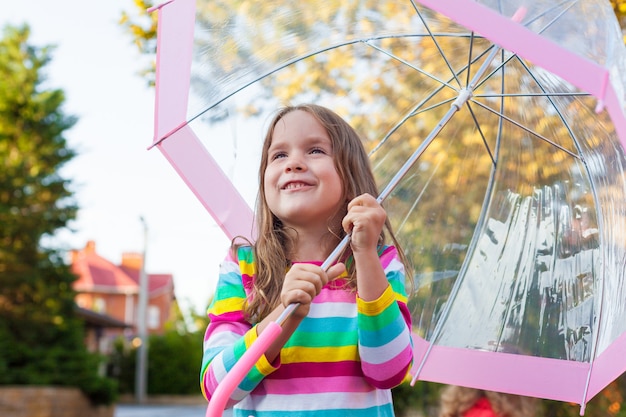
302, 187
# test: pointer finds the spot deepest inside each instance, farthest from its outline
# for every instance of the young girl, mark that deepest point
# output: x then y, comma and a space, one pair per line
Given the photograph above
348, 343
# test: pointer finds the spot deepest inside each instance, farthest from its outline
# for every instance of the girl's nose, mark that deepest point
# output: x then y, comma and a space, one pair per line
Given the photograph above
295, 164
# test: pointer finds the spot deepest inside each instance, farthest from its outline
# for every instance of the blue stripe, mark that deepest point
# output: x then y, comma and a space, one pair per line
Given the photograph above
382, 336
230, 278
326, 324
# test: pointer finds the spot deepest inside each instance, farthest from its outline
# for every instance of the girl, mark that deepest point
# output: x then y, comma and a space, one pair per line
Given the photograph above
348, 343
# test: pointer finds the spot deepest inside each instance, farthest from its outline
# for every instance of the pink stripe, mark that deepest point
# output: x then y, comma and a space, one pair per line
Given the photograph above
236, 328
335, 295
227, 317
541, 51
385, 371
173, 70
608, 366
534, 376
317, 369
314, 385
388, 255
209, 383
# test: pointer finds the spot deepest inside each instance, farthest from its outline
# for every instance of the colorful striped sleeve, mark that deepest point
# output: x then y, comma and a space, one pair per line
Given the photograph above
384, 329
229, 334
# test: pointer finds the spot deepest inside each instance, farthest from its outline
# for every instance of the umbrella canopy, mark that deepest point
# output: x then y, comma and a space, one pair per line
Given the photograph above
513, 211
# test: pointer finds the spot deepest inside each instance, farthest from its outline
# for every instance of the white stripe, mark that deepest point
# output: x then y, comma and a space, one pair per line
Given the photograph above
329, 309
303, 402
228, 266
394, 265
388, 351
221, 339
217, 365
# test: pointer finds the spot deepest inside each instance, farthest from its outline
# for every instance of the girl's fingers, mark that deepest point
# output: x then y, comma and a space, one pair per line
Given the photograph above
334, 271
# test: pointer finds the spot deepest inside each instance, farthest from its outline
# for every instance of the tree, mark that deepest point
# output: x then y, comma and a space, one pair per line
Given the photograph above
41, 338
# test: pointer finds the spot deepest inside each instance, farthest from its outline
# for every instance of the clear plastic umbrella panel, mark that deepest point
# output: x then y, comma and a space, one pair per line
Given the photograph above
507, 118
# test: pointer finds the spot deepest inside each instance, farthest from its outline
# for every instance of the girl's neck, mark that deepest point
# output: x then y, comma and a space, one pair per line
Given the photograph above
312, 246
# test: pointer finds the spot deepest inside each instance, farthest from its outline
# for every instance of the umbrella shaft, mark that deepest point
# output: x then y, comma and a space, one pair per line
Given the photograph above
464, 95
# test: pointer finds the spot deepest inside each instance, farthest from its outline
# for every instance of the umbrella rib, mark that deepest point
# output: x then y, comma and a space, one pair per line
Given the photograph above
565, 122
575, 94
482, 135
556, 18
413, 112
500, 121
434, 39
427, 74
469, 59
416, 109
521, 126
413, 67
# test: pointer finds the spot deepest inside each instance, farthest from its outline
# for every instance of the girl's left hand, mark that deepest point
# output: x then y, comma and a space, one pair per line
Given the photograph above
365, 219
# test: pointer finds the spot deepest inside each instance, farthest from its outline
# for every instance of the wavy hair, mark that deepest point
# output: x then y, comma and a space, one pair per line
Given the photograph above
273, 245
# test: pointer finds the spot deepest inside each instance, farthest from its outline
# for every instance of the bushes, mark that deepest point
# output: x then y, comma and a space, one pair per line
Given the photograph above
173, 364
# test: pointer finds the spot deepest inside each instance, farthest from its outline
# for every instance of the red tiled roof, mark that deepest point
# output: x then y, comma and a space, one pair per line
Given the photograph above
156, 282
96, 274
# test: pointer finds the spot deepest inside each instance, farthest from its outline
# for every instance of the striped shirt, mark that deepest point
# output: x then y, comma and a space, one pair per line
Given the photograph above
342, 360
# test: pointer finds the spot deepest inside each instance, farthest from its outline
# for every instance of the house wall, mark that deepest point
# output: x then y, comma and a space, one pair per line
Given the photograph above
163, 303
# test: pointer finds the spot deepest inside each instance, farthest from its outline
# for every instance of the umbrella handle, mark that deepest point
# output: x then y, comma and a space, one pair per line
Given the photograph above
240, 370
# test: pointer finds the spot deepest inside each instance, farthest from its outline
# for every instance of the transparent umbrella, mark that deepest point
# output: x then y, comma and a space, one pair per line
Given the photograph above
506, 122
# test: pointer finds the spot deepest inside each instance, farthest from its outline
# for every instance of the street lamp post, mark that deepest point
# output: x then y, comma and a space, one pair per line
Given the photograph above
142, 331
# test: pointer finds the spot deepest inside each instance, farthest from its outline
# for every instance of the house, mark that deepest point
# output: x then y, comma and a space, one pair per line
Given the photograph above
112, 291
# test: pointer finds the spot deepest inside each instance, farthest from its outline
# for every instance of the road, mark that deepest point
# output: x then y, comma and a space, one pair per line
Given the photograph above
134, 410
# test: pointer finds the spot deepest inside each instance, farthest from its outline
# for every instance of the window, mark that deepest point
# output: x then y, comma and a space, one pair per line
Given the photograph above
154, 317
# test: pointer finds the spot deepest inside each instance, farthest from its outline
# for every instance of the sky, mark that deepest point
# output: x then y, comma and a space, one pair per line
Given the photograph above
117, 180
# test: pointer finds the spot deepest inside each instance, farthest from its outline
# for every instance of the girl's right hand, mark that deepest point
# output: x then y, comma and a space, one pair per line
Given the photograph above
305, 281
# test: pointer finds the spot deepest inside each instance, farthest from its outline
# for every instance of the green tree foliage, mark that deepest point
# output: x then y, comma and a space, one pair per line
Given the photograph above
41, 339
143, 30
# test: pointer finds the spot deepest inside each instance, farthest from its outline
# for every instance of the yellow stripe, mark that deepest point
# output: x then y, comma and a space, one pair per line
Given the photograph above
227, 305
305, 354
262, 365
401, 298
374, 307
246, 268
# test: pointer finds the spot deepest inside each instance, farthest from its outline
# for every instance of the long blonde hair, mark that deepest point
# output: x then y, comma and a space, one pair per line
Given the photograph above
271, 248
456, 400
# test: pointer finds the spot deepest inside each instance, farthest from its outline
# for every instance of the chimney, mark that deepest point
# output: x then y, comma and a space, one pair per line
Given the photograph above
132, 260
90, 247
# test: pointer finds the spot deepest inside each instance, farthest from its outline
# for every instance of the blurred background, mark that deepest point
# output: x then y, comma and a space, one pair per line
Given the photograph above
97, 231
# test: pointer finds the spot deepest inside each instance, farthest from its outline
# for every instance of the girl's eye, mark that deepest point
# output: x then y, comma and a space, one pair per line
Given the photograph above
278, 155
318, 150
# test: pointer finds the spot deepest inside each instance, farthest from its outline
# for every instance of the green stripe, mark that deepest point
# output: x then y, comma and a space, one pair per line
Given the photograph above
322, 339
397, 283
230, 291
377, 322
